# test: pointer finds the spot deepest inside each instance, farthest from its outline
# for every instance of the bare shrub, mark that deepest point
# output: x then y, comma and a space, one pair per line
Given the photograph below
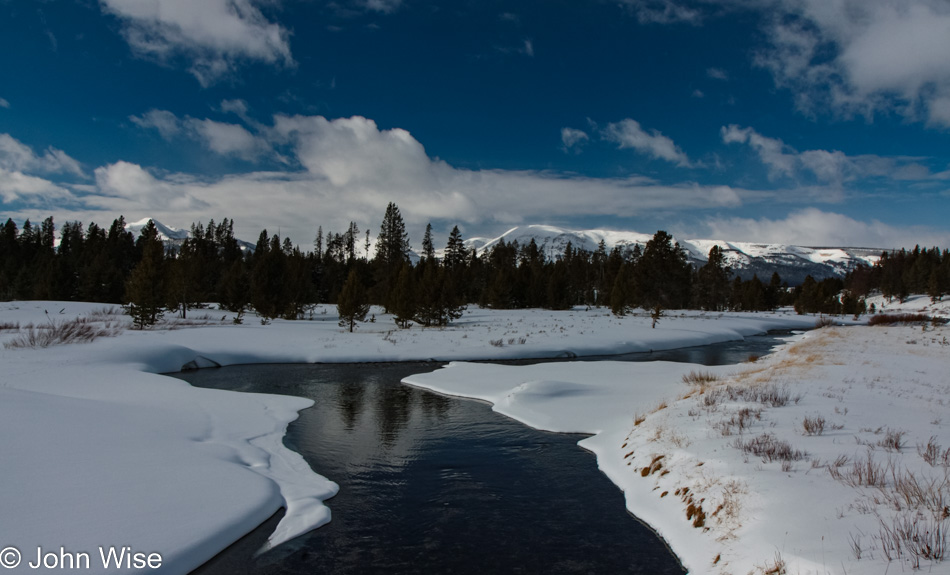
933, 454
9, 326
823, 321
79, 330
497, 342
700, 378
893, 440
890, 319
739, 422
770, 448
778, 567
915, 537
862, 473
814, 425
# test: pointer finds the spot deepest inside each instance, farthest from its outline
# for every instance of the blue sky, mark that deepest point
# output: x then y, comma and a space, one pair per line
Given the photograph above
815, 122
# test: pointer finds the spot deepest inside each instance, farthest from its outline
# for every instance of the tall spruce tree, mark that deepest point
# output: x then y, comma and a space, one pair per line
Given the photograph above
145, 289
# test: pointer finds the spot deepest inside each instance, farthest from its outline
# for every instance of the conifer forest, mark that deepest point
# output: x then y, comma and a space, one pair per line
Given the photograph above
279, 279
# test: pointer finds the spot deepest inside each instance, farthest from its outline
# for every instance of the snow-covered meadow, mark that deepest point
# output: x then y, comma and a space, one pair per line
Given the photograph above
101, 452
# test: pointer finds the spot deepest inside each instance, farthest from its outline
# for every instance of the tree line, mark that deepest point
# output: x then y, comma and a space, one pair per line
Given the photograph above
279, 279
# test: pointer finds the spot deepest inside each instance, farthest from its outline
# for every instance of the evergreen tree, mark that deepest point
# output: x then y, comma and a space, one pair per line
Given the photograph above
428, 250
392, 244
619, 300
712, 282
663, 274
404, 310
352, 305
145, 289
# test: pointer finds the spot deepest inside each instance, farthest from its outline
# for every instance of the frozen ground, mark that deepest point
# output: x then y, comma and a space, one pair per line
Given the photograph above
101, 452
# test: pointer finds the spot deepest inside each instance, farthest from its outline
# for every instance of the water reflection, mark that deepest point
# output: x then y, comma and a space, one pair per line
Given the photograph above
431, 484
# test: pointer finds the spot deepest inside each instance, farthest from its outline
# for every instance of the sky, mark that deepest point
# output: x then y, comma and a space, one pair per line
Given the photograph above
809, 122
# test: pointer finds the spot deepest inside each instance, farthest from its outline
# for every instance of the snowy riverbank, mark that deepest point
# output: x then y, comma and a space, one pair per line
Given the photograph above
100, 452
829, 456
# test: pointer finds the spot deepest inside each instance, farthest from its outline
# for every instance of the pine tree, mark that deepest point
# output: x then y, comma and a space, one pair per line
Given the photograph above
404, 310
145, 289
352, 305
428, 250
392, 244
619, 300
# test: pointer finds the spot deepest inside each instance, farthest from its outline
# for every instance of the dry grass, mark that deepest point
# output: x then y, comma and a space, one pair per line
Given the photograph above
79, 330
933, 454
863, 472
770, 448
893, 440
899, 318
814, 425
913, 537
700, 378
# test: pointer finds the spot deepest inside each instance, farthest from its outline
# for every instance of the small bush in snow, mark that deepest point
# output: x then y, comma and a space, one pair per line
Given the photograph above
699, 378
814, 425
770, 448
79, 330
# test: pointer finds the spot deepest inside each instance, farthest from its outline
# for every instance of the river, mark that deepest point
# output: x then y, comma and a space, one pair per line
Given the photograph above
431, 484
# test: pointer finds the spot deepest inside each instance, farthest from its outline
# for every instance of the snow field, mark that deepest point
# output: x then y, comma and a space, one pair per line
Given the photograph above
101, 451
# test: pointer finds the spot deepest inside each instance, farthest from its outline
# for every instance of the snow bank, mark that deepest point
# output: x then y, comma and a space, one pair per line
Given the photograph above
99, 451
765, 468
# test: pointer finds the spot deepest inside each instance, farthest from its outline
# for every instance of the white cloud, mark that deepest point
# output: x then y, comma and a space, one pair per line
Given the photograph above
629, 134
529, 48
663, 11
164, 121
350, 169
228, 139
4, 103
860, 56
17, 186
828, 167
220, 137
698, 94
813, 227
215, 35
18, 157
573, 139
127, 185
717, 73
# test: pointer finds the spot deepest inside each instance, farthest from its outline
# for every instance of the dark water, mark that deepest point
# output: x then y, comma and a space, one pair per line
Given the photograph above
430, 484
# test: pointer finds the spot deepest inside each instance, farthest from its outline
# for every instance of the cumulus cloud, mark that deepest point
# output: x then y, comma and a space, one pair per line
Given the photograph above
813, 227
348, 169
17, 186
629, 134
573, 139
849, 56
214, 35
825, 166
133, 186
220, 137
18, 157
862, 56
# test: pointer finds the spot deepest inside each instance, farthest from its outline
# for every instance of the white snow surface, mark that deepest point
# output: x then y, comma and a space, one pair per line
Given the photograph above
671, 445
100, 451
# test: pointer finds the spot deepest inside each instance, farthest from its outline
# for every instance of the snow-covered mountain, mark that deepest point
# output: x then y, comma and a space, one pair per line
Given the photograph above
172, 237
792, 263
746, 259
